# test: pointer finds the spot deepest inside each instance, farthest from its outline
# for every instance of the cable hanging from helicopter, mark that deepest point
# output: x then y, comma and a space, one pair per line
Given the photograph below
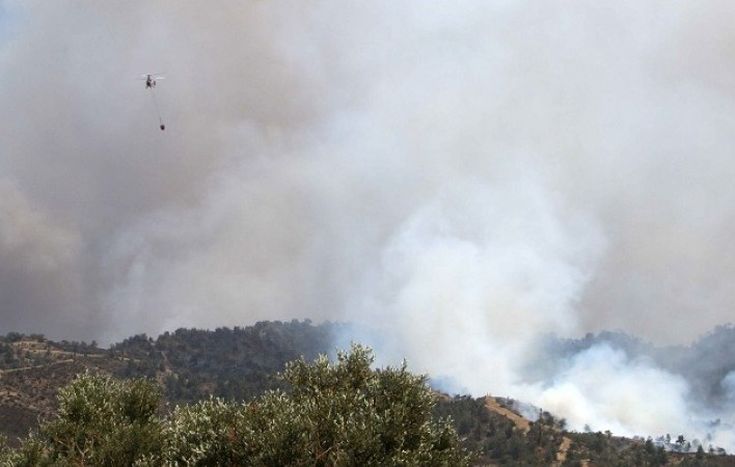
150, 83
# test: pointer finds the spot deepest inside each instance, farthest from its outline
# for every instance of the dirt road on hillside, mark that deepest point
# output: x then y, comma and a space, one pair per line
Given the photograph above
520, 422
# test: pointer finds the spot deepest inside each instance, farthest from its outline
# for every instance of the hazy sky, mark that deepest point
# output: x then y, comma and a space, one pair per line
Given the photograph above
566, 165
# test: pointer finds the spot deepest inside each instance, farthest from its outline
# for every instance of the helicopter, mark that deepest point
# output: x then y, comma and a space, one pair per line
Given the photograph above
151, 79
150, 83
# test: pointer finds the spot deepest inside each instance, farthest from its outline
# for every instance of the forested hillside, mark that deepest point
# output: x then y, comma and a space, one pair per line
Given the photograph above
236, 364
240, 364
189, 365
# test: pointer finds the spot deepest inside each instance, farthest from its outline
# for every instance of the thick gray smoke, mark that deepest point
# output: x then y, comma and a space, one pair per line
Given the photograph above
464, 177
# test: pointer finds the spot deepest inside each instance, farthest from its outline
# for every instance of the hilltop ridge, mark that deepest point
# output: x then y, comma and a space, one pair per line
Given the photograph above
241, 363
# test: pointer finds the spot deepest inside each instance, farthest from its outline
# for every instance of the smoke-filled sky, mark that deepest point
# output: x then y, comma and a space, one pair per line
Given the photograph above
464, 175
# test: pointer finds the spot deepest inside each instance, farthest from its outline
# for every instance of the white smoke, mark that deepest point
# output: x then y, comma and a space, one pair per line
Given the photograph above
728, 383
605, 390
470, 280
464, 178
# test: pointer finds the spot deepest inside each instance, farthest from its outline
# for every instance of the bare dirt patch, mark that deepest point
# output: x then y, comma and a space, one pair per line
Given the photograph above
520, 422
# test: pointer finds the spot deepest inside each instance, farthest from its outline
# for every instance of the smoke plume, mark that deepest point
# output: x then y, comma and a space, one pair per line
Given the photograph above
463, 178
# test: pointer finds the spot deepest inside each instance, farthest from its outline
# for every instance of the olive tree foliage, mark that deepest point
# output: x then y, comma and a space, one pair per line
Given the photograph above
341, 413
334, 413
100, 421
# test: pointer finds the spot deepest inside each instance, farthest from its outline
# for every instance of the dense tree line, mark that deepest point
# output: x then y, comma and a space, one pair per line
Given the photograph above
232, 363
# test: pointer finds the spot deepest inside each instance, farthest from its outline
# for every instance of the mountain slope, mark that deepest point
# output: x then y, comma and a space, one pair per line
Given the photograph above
241, 363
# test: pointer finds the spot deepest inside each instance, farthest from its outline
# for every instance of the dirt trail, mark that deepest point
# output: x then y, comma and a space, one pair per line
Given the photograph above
561, 454
520, 422
167, 371
524, 425
45, 350
45, 365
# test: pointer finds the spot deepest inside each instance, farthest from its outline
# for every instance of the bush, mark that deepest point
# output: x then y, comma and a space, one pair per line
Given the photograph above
341, 413
100, 421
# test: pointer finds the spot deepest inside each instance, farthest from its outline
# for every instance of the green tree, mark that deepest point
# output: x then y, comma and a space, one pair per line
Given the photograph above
100, 421
334, 413
341, 413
